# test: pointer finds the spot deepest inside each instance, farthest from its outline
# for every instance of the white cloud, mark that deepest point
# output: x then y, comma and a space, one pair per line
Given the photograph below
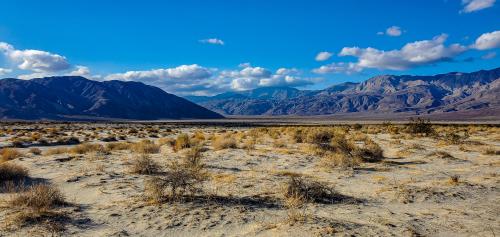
340, 67
84, 71
476, 5
393, 31
184, 72
4, 71
80, 71
323, 56
212, 41
489, 40
411, 55
34, 60
252, 77
489, 55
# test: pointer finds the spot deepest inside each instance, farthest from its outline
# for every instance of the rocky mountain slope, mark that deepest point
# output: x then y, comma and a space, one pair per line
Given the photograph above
72, 97
382, 94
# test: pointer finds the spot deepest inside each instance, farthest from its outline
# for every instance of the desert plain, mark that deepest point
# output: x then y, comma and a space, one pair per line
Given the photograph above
159, 179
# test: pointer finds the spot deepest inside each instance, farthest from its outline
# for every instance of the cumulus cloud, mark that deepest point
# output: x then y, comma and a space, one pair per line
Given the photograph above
393, 31
476, 5
212, 41
340, 67
411, 55
323, 56
252, 77
4, 71
489, 40
184, 79
34, 60
184, 72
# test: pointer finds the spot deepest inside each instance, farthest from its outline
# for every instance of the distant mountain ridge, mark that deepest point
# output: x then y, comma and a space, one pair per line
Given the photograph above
73, 97
387, 94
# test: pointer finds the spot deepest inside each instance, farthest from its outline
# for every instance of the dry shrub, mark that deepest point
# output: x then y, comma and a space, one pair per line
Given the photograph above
279, 143
37, 205
12, 172
182, 178
7, 154
371, 152
420, 126
56, 151
319, 136
87, 148
146, 147
38, 198
309, 191
181, 142
224, 142
249, 144
166, 141
118, 146
35, 151
68, 141
143, 164
341, 160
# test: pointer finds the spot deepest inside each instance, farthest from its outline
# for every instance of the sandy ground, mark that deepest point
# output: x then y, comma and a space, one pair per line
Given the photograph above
408, 194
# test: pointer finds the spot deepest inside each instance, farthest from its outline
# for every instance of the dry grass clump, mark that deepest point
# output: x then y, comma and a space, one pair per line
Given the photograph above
319, 136
224, 142
143, 164
7, 154
37, 206
39, 198
118, 146
146, 147
12, 172
181, 142
56, 151
249, 144
87, 148
35, 151
371, 152
341, 160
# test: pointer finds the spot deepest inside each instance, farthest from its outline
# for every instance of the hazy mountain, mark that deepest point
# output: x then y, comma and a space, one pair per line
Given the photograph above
388, 93
76, 97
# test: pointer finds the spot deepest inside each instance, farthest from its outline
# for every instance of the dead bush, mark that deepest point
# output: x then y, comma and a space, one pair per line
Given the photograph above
224, 142
181, 142
56, 151
319, 136
182, 179
39, 198
143, 164
35, 151
146, 147
7, 154
12, 172
420, 126
309, 191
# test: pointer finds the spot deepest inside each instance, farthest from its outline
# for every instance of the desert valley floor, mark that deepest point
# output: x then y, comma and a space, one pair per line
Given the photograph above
153, 179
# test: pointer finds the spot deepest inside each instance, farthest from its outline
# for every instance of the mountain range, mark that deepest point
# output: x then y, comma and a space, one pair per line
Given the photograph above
73, 97
391, 94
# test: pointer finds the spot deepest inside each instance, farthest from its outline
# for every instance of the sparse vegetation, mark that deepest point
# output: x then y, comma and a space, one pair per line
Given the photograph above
7, 154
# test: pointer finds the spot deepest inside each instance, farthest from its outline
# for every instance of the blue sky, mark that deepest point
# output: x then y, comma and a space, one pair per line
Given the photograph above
207, 47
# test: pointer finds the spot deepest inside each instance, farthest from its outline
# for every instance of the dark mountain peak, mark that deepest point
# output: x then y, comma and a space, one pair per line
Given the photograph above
74, 96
